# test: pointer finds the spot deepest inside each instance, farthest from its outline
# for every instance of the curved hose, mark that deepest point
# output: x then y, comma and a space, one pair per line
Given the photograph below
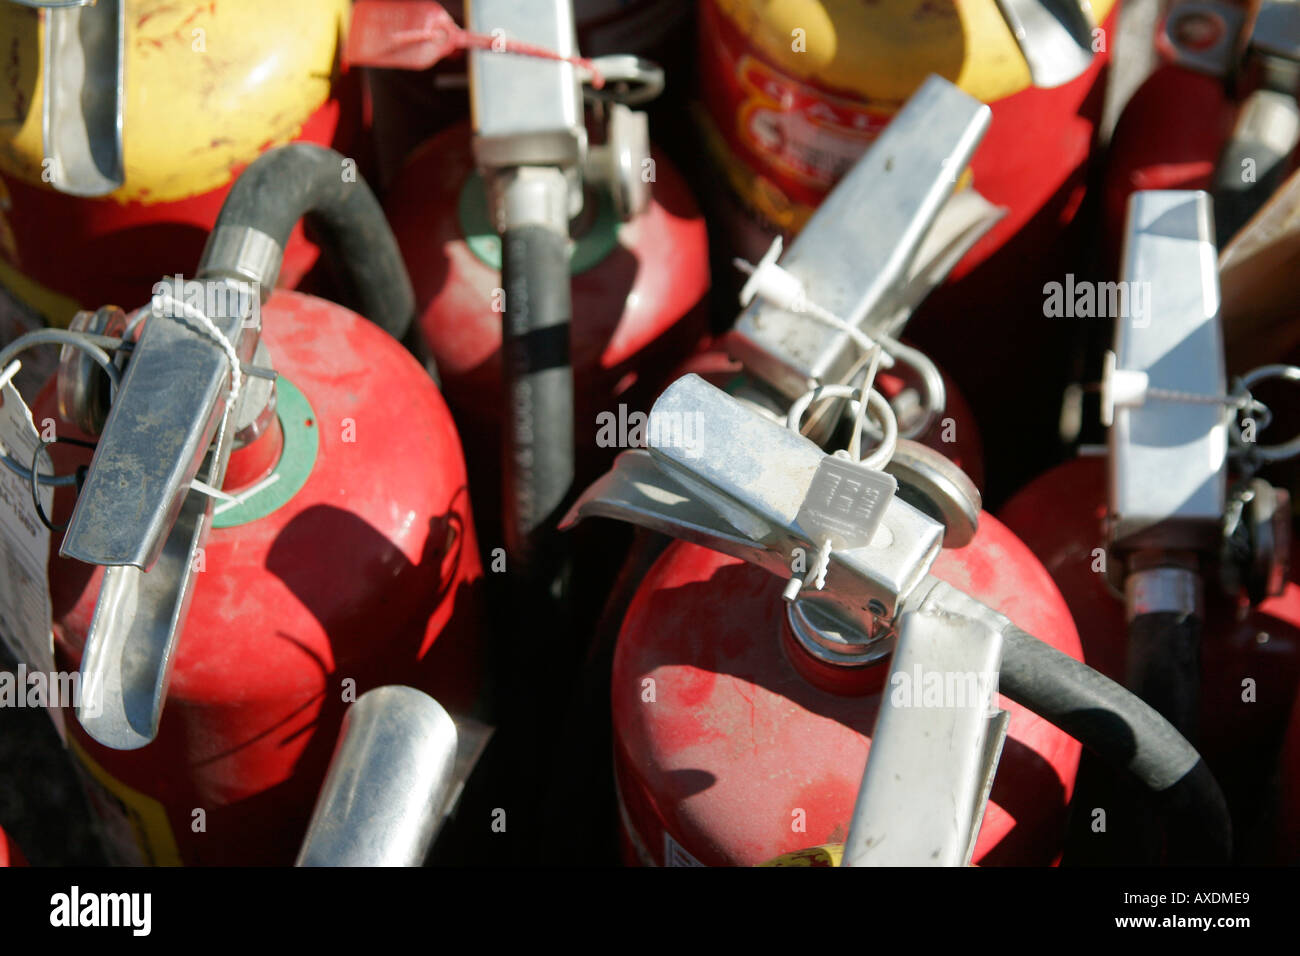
303, 179
1125, 731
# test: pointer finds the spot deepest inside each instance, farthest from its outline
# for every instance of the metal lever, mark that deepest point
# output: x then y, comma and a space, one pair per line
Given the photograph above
526, 111
83, 84
389, 785
739, 486
1055, 37
872, 249
930, 767
137, 515
1169, 438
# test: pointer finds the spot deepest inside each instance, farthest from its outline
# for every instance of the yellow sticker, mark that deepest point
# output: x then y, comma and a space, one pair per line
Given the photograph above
827, 855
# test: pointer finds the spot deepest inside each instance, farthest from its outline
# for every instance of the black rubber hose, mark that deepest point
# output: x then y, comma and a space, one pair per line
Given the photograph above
537, 466
1164, 665
303, 179
1127, 733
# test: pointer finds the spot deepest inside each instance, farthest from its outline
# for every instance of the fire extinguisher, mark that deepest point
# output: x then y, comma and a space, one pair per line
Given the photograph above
339, 552
111, 172
815, 326
624, 252
1171, 552
730, 690
1220, 114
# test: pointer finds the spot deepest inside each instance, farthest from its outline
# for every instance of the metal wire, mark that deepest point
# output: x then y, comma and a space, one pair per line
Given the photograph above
35, 485
91, 344
877, 406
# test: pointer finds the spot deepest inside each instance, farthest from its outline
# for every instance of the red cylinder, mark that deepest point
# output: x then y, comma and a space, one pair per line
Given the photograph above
726, 740
357, 567
1250, 657
9, 853
639, 291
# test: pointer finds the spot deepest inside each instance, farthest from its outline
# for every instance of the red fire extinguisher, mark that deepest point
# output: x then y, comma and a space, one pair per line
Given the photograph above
1219, 114
637, 259
729, 691
1180, 585
327, 547
127, 171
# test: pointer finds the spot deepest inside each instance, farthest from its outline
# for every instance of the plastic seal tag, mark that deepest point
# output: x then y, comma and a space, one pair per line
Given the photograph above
845, 503
417, 34
25, 615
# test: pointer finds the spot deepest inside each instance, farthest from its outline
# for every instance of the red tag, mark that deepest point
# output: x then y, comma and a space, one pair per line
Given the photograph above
400, 34
415, 34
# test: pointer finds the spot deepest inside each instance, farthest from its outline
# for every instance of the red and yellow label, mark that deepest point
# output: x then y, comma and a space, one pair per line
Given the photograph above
134, 826
829, 855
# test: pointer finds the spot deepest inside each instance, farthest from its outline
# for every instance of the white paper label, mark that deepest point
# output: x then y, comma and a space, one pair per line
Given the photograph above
24, 551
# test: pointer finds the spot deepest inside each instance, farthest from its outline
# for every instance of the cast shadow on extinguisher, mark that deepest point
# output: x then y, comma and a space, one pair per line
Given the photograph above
432, 640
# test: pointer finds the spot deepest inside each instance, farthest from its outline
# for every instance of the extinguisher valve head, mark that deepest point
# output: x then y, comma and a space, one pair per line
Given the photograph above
721, 474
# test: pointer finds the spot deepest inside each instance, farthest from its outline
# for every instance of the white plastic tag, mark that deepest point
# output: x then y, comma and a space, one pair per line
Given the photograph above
845, 503
25, 614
